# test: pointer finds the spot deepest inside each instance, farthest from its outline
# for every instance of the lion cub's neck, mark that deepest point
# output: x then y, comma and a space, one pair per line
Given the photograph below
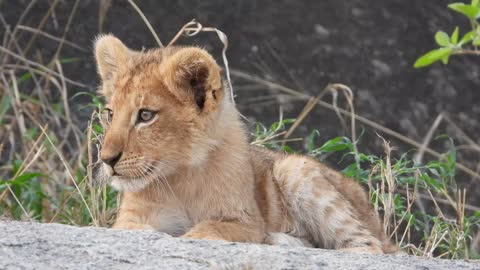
224, 169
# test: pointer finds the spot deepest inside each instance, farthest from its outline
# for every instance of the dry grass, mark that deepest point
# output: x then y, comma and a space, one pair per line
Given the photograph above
40, 134
48, 170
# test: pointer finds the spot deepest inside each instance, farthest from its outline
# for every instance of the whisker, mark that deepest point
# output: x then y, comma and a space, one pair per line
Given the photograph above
161, 175
150, 172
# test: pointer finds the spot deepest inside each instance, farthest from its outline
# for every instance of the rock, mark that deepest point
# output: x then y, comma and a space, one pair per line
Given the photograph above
56, 246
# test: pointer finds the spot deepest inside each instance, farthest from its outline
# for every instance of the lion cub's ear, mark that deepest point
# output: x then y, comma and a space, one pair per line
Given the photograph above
192, 73
111, 54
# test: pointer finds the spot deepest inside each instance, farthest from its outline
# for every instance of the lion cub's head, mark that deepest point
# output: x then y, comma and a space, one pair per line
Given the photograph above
162, 110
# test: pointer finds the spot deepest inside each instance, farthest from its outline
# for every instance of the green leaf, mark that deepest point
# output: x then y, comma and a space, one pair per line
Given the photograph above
476, 41
432, 57
335, 145
97, 128
356, 173
442, 39
445, 59
287, 149
467, 37
475, 3
472, 12
31, 133
5, 104
58, 107
69, 60
25, 77
454, 37
310, 141
281, 124
430, 181
21, 178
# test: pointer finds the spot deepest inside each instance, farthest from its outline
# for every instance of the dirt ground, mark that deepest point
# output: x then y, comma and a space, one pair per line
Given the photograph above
368, 45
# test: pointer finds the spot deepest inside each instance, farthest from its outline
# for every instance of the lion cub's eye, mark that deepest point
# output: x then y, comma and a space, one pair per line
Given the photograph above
108, 115
145, 115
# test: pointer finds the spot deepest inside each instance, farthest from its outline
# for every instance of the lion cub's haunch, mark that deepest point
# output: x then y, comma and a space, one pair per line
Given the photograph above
176, 148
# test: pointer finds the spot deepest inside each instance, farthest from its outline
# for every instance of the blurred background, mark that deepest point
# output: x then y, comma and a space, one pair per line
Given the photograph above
368, 46
280, 53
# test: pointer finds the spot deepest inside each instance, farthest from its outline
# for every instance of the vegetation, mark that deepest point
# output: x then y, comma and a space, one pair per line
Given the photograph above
453, 44
47, 158
395, 185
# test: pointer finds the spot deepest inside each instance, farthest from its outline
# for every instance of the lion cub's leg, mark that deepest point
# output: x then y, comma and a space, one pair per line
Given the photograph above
284, 239
228, 231
130, 220
323, 211
131, 215
131, 226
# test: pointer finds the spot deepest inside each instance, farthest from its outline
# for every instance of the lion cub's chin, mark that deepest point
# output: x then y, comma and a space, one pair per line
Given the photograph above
129, 184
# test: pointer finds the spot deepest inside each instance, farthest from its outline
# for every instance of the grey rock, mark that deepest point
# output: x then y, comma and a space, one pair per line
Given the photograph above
56, 246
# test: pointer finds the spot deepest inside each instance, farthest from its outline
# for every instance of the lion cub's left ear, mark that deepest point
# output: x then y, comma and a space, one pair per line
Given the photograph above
192, 74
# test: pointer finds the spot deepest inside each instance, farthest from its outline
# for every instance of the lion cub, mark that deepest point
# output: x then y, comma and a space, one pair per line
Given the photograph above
176, 148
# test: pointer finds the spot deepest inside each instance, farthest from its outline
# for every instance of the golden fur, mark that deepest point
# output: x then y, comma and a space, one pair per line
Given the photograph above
190, 171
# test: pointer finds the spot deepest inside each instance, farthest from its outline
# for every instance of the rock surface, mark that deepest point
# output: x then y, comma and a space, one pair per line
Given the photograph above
55, 246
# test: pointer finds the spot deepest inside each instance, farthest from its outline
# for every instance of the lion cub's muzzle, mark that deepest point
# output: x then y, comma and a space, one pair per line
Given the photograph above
112, 160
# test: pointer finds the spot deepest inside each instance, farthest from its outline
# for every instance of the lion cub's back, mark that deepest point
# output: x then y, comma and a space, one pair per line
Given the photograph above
273, 199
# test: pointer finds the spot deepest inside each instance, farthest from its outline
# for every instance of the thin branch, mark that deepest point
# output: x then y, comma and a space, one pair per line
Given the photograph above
366, 121
467, 52
145, 20
52, 37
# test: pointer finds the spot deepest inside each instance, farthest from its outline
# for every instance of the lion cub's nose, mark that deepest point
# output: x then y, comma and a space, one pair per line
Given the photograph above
112, 158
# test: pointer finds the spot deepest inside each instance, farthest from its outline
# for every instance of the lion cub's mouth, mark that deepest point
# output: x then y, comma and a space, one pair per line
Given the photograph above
112, 174
123, 183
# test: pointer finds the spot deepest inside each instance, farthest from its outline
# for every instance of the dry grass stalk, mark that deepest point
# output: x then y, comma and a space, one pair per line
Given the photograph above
147, 23
363, 120
51, 152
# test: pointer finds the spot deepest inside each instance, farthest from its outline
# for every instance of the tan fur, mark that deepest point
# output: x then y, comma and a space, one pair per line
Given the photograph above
191, 172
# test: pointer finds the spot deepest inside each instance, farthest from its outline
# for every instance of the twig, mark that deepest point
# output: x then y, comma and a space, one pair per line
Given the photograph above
65, 31
40, 26
69, 173
370, 123
444, 201
191, 29
472, 143
312, 102
145, 20
467, 52
14, 32
419, 157
52, 37
428, 138
40, 66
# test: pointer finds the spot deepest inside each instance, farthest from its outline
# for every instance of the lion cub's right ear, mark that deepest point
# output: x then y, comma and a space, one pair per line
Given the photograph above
111, 54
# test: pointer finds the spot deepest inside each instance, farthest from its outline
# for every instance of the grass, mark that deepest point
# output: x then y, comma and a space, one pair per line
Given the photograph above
444, 230
46, 173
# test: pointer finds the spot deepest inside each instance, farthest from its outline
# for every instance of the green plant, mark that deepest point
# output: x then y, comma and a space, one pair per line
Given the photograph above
48, 177
47, 172
443, 227
455, 44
